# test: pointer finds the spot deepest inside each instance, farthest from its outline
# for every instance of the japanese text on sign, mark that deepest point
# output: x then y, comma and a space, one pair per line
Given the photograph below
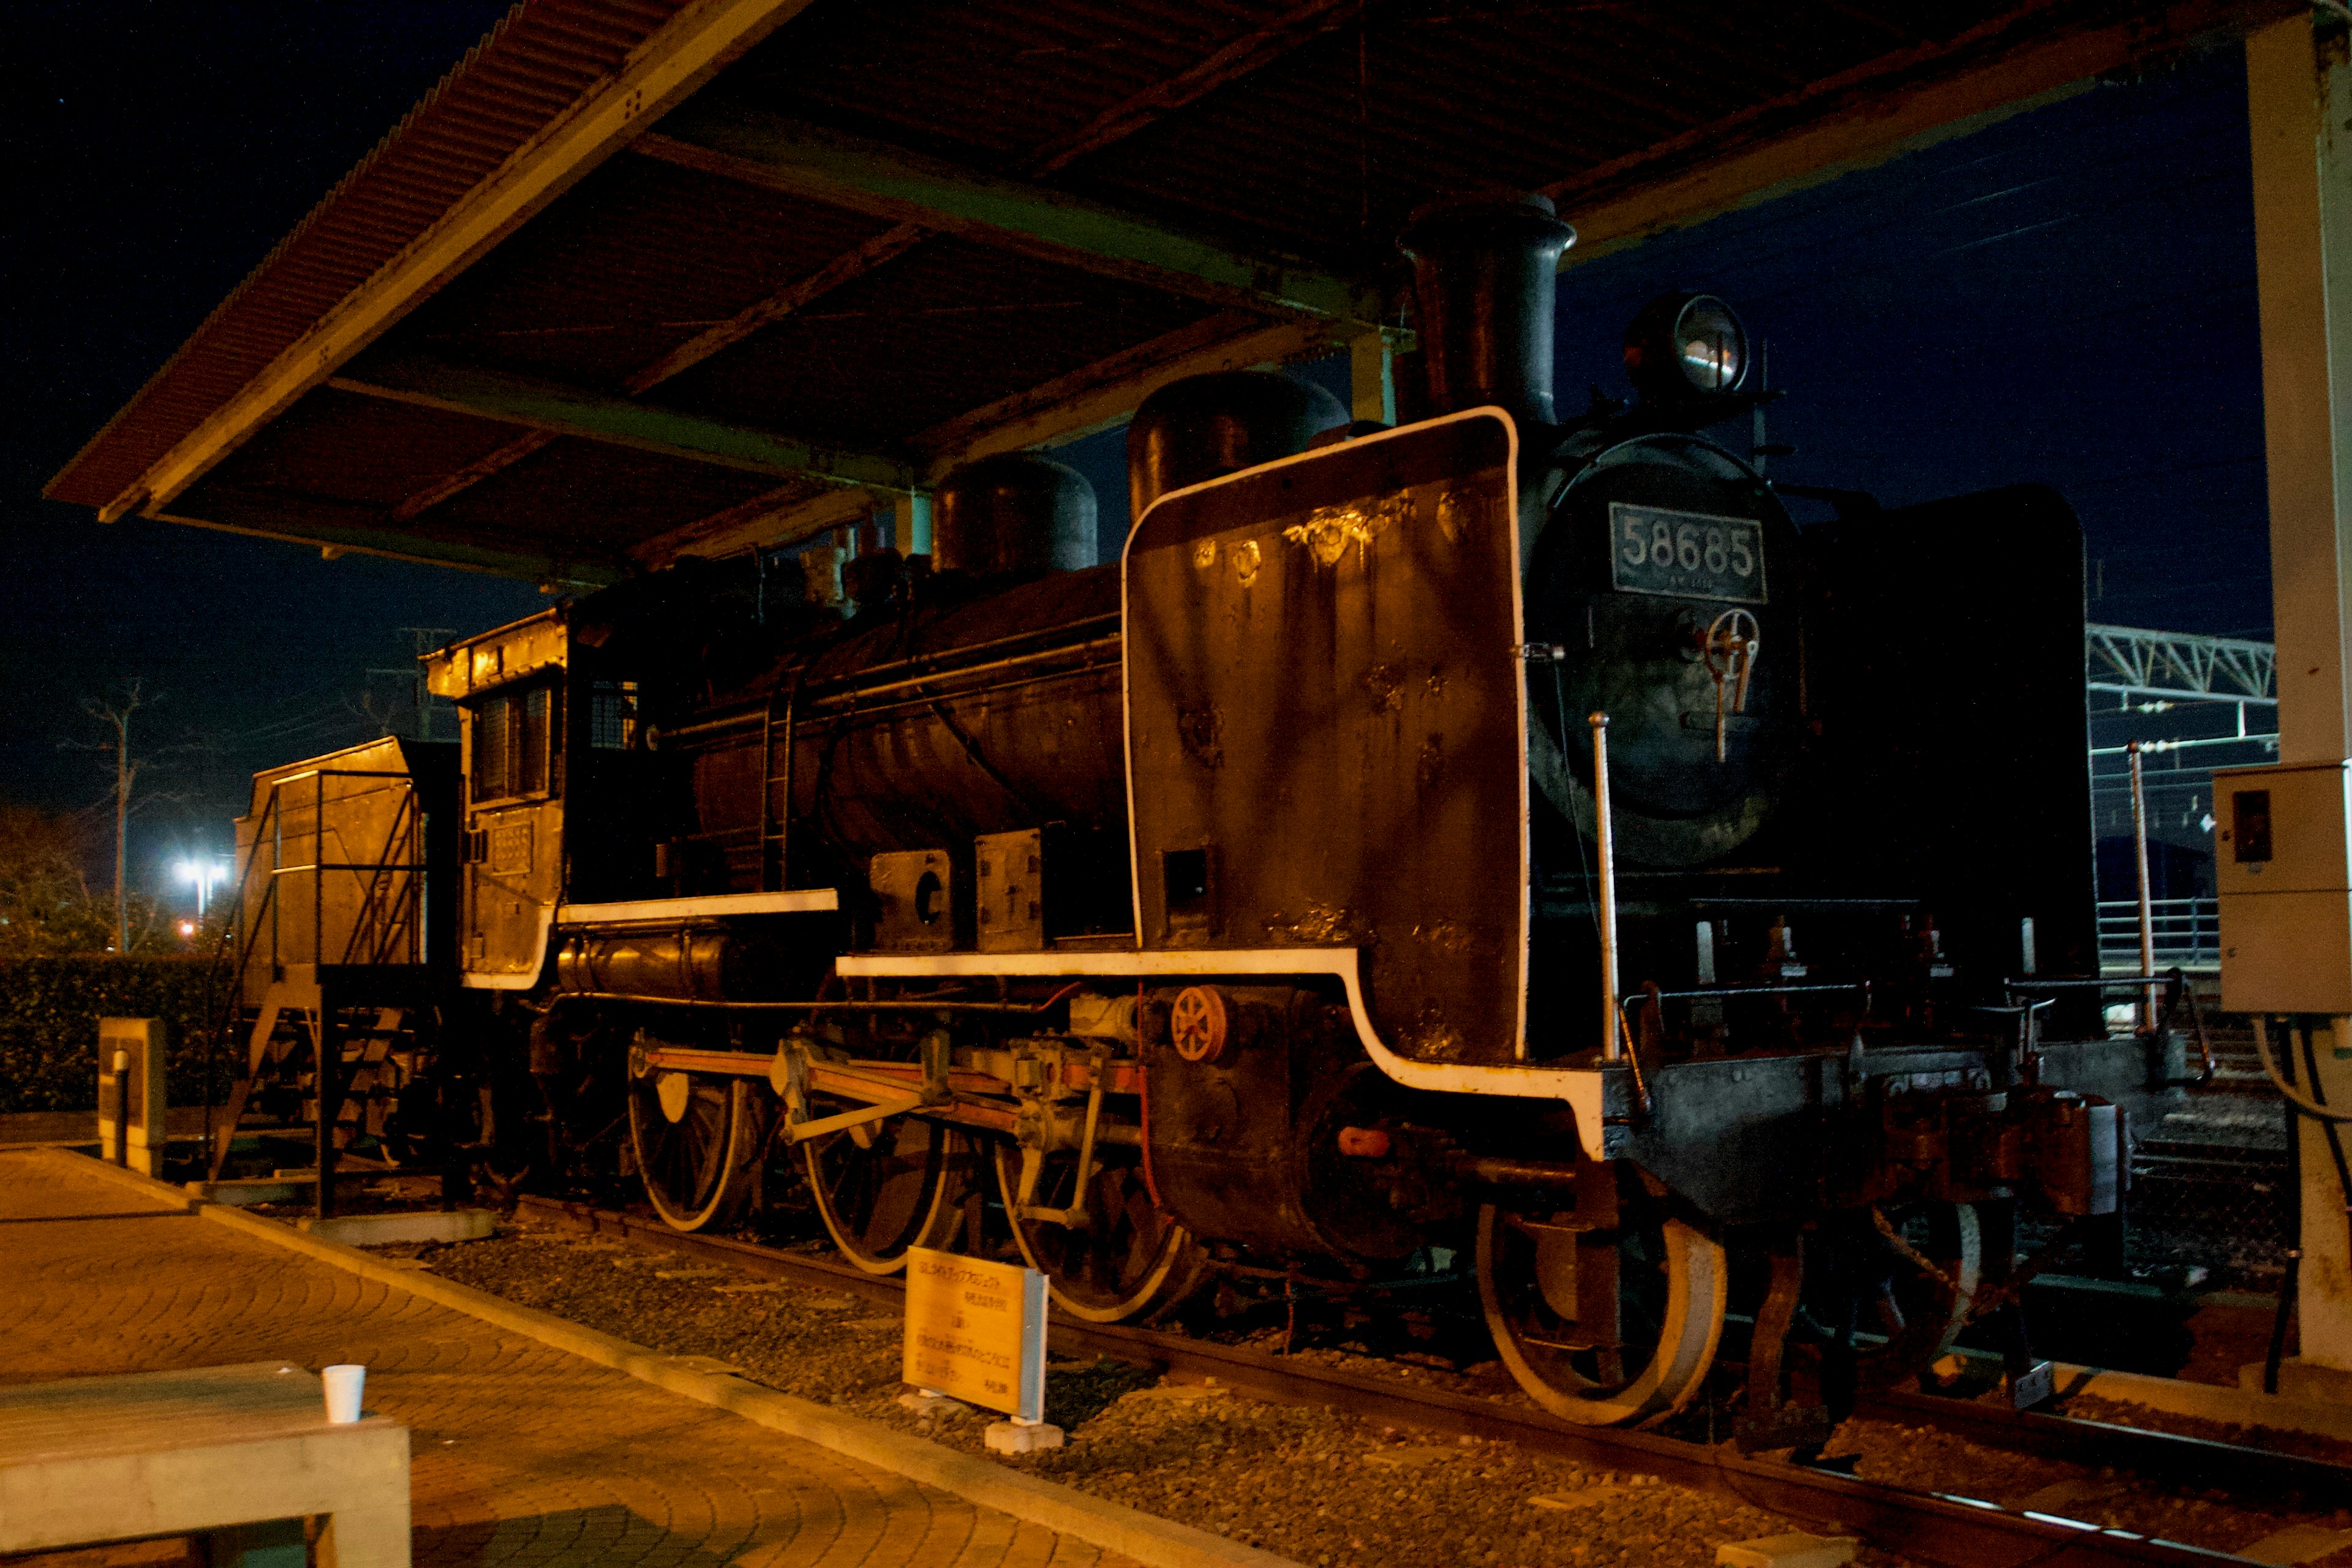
976, 1331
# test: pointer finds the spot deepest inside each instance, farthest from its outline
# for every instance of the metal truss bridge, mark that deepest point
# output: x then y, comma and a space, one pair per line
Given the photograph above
2134, 662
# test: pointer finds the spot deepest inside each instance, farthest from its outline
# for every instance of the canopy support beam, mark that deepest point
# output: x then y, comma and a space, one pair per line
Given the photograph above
665, 71
1896, 104
592, 416
812, 162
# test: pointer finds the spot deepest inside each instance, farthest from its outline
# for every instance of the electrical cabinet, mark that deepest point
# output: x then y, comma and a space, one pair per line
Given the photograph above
2282, 865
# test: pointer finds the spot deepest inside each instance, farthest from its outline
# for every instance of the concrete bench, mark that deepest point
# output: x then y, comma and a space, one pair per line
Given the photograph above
241, 1454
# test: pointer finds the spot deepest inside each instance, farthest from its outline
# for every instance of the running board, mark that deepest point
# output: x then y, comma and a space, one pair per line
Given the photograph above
1584, 1089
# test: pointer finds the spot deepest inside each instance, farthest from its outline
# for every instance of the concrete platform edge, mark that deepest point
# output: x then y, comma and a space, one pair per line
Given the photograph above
1155, 1542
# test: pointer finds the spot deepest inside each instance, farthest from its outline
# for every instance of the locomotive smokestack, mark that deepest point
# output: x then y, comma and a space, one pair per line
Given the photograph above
1484, 274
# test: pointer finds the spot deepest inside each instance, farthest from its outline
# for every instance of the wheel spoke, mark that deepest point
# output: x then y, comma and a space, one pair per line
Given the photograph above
1929, 1266
900, 1190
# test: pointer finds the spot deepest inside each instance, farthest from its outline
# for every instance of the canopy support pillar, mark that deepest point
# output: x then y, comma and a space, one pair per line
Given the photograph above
2299, 109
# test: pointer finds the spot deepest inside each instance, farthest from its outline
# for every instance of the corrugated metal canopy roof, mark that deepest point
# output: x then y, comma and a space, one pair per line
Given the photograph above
640, 278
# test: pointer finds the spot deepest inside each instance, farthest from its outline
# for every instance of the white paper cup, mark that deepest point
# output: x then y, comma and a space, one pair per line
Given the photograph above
343, 1385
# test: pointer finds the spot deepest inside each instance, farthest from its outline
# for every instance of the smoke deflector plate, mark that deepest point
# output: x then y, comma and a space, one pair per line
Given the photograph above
1325, 724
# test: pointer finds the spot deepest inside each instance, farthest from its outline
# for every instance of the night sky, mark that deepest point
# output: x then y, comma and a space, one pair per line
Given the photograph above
160, 151
2065, 297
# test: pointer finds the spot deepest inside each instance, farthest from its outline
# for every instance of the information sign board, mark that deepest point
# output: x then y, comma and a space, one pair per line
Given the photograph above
976, 1331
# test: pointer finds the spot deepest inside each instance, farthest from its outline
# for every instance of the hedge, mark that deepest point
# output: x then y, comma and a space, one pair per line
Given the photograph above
49, 1009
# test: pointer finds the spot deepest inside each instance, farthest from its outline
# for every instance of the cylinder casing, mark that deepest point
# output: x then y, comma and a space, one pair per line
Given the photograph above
697, 963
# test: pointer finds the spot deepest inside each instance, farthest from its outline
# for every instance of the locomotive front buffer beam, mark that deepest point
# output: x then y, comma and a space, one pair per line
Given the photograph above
1843, 1129
1840, 1129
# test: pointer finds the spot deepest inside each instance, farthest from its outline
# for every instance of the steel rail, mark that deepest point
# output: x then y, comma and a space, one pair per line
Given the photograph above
1930, 1528
2158, 1456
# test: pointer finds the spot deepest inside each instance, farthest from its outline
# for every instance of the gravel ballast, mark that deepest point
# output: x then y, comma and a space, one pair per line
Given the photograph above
1319, 1486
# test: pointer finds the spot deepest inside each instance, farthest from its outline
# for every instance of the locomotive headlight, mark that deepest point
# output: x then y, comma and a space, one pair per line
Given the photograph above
1710, 345
1687, 348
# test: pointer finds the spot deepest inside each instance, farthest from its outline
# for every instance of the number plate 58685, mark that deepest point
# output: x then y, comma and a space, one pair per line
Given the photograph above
1689, 554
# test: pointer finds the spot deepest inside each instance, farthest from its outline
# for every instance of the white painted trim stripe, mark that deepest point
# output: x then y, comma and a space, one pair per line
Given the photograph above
805, 900
520, 980
1580, 1088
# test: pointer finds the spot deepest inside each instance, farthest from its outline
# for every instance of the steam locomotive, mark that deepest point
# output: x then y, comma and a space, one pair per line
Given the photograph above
1507, 833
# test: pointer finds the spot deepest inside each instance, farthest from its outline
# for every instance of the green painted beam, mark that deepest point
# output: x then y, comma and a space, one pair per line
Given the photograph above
825, 165
596, 416
329, 529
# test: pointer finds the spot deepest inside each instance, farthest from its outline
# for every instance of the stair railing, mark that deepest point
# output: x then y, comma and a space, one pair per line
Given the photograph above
390, 901
388, 905
243, 938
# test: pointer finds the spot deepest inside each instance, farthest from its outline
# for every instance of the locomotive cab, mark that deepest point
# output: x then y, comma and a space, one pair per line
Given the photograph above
554, 770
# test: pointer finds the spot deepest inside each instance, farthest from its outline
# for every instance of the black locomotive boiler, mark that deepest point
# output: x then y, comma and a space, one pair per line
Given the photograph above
1507, 834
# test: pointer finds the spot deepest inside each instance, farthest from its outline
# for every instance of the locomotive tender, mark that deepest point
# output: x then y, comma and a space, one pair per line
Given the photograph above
1507, 833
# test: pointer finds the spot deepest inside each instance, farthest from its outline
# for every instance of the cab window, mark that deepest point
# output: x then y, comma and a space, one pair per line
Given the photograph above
515, 749
613, 716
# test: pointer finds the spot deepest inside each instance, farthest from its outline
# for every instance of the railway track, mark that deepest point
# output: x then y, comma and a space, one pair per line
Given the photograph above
1932, 1528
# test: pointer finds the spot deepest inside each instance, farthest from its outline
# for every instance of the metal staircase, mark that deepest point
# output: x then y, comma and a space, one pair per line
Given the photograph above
331, 1041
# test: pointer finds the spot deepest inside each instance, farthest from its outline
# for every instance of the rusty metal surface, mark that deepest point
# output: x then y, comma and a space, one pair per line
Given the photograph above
1932, 1529
1334, 641
923, 732
1310, 129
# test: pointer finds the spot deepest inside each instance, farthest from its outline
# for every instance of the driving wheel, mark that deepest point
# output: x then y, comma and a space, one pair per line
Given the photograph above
1127, 1259
698, 1139
1607, 1324
886, 1186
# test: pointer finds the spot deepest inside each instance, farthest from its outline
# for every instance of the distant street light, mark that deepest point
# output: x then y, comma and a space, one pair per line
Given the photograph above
204, 874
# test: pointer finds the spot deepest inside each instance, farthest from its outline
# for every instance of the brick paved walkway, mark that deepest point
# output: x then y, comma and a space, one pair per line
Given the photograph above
521, 1453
